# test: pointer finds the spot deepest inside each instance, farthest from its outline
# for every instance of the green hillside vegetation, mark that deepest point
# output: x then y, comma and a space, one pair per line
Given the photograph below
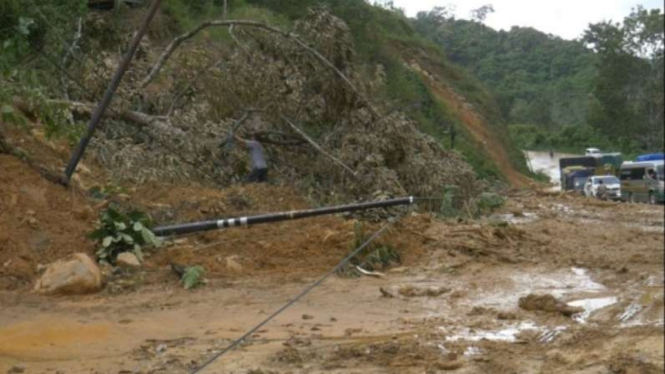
604, 90
382, 37
387, 38
537, 78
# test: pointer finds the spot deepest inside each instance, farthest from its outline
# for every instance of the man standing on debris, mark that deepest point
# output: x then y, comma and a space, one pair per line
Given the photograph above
257, 158
601, 192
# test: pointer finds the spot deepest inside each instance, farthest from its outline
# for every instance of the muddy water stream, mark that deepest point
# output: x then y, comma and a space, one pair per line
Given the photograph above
541, 162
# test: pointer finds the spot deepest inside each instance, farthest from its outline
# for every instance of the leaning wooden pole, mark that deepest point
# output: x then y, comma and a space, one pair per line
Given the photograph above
108, 95
187, 228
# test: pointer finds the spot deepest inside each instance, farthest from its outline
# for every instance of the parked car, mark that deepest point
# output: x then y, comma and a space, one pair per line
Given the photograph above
592, 152
643, 181
612, 184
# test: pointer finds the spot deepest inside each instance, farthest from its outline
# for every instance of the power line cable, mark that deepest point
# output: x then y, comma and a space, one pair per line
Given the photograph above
342, 263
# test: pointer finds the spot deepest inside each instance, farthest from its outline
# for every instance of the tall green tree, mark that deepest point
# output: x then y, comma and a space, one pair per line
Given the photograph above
28, 25
627, 100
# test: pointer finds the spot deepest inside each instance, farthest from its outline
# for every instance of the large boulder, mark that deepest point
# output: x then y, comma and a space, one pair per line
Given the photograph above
74, 275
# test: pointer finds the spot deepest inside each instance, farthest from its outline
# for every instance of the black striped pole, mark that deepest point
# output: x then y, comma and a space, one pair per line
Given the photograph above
187, 228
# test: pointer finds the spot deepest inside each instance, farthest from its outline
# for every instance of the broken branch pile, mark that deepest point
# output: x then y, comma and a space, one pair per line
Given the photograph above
171, 124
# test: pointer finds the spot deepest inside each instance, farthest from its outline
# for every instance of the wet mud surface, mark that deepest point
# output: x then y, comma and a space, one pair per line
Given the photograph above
452, 305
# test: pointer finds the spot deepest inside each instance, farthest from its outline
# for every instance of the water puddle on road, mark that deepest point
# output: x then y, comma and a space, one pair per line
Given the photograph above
472, 351
574, 284
507, 334
563, 283
590, 306
645, 227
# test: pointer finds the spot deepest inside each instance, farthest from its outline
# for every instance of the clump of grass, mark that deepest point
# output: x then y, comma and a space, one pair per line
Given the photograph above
375, 256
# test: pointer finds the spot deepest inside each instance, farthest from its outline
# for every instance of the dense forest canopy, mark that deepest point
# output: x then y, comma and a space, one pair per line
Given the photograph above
610, 79
627, 96
537, 78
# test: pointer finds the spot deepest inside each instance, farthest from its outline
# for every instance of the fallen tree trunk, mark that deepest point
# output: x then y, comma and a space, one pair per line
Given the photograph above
287, 35
318, 147
138, 118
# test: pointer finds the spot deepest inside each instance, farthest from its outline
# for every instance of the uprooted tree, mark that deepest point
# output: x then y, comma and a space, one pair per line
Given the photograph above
172, 124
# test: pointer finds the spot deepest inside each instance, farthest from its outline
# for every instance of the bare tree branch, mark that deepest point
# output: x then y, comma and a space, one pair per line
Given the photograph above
236, 125
317, 147
235, 39
70, 51
158, 123
290, 140
138, 118
287, 35
191, 83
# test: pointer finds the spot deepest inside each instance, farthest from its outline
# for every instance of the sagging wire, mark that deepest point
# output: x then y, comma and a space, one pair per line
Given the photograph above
309, 288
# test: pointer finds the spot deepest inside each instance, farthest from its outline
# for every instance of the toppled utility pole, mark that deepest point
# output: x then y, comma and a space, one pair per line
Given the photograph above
186, 228
108, 95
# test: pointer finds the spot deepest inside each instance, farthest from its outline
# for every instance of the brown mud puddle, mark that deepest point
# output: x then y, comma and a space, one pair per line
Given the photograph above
47, 338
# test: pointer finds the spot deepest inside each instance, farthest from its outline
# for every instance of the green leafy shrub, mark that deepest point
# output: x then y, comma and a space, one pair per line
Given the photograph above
488, 202
192, 277
118, 232
56, 118
10, 115
101, 193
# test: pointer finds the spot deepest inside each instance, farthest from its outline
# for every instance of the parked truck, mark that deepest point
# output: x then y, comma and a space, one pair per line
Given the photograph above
575, 170
609, 164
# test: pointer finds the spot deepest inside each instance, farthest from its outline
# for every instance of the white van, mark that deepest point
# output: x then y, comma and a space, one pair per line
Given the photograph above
642, 181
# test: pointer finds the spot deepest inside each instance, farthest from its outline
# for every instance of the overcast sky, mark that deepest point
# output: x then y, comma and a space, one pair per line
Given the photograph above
565, 18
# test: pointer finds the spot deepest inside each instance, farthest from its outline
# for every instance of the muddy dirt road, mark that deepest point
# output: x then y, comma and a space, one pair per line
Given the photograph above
458, 303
